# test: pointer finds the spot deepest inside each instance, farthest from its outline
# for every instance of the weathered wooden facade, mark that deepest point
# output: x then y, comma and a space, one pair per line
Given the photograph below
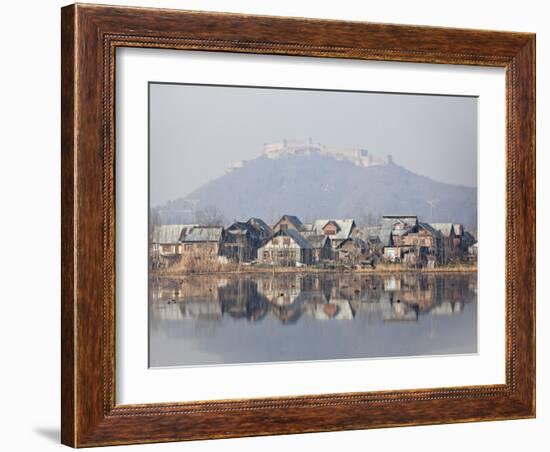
321, 246
241, 242
202, 246
165, 245
451, 241
338, 230
286, 248
352, 251
424, 246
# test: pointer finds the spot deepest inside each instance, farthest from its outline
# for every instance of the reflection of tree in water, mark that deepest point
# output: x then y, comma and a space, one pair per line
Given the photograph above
287, 298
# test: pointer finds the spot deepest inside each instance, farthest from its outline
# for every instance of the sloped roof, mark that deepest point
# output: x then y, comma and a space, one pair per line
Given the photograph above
204, 234
359, 243
260, 224
444, 228
345, 226
429, 228
316, 240
469, 237
168, 233
294, 235
409, 220
245, 227
294, 220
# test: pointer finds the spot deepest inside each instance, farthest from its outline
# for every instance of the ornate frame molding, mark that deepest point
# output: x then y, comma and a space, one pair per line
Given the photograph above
90, 37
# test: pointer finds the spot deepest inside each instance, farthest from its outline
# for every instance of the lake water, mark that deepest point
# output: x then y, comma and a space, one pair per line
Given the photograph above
215, 319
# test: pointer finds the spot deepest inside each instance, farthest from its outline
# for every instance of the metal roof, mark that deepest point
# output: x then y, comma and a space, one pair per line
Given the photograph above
345, 226
469, 236
204, 234
260, 224
444, 228
316, 240
243, 227
293, 219
294, 235
359, 243
169, 233
298, 238
429, 228
409, 220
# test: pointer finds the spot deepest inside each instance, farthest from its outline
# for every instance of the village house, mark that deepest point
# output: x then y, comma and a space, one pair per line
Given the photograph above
202, 245
241, 242
352, 251
281, 291
286, 248
321, 246
425, 246
288, 222
337, 229
451, 243
400, 239
262, 228
392, 231
469, 245
165, 244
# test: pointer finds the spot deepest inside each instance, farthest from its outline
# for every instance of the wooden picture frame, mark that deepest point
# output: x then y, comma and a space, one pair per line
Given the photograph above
90, 35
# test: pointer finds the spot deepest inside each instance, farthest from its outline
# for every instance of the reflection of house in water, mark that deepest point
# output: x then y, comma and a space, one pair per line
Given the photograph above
287, 298
240, 299
338, 309
200, 309
447, 308
281, 290
286, 248
397, 310
392, 283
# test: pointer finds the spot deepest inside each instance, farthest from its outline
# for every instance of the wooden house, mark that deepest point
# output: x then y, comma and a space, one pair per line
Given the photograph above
352, 251
321, 246
241, 242
286, 248
202, 244
165, 247
425, 246
338, 230
451, 237
262, 228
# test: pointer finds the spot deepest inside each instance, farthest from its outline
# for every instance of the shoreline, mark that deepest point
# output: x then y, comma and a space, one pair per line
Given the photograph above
298, 271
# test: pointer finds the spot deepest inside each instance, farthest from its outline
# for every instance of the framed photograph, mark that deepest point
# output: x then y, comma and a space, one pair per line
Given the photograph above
281, 225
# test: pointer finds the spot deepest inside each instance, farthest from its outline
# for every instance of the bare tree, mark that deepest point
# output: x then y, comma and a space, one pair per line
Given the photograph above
154, 220
210, 215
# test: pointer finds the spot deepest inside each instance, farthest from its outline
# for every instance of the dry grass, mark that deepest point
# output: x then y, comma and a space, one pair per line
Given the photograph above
182, 268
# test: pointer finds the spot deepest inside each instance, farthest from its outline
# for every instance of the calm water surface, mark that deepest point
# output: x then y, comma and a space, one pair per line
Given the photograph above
200, 320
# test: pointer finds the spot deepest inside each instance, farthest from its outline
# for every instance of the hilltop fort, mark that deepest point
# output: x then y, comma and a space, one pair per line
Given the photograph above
287, 148
358, 156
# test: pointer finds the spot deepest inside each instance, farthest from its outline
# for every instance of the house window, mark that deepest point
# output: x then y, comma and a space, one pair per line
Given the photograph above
266, 254
286, 241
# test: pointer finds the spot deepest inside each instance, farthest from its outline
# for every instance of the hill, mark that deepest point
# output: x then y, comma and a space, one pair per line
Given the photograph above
318, 186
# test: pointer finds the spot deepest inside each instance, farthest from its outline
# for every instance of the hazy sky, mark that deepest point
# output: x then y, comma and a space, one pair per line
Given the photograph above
196, 132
